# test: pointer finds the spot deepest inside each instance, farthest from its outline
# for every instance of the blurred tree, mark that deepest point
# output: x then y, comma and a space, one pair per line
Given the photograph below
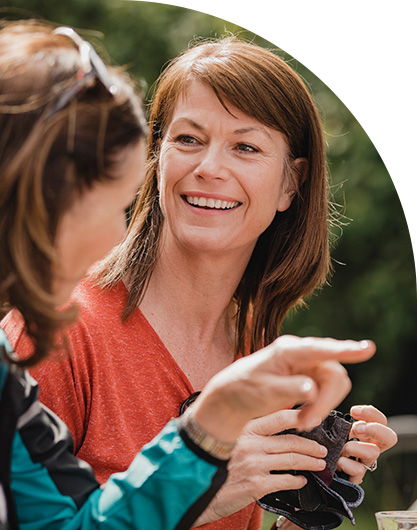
373, 292
140, 35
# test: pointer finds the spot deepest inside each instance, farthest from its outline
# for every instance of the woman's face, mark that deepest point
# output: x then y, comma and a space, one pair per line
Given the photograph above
96, 221
220, 174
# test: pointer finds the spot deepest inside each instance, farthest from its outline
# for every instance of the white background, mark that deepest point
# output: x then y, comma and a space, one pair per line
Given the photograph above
365, 51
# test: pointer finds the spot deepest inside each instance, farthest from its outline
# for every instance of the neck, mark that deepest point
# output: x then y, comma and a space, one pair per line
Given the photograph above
193, 291
189, 303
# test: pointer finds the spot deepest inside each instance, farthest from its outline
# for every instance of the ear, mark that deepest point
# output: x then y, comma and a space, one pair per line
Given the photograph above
296, 175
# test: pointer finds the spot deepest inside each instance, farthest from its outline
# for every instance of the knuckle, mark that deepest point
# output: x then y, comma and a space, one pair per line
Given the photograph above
292, 460
291, 442
333, 369
342, 371
350, 449
281, 420
285, 342
394, 437
375, 414
375, 452
348, 384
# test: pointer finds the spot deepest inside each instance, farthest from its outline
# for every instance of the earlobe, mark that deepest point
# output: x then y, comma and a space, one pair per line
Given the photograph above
285, 201
297, 174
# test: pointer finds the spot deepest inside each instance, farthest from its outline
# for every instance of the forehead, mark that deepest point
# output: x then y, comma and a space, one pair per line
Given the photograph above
198, 98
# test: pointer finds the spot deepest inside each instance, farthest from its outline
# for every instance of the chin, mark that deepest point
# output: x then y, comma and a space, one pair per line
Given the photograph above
202, 244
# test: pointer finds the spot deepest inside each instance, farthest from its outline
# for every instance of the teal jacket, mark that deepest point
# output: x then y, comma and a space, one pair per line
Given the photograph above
44, 487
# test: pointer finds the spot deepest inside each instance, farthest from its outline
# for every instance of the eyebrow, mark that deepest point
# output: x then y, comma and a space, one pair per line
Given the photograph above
250, 129
190, 122
243, 130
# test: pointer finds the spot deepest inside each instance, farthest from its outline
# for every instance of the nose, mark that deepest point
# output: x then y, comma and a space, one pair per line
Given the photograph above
213, 163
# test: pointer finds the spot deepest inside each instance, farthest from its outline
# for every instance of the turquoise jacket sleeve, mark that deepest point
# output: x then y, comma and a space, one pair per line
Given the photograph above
167, 486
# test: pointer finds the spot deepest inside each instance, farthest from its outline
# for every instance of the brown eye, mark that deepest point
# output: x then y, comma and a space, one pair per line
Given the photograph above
247, 148
186, 139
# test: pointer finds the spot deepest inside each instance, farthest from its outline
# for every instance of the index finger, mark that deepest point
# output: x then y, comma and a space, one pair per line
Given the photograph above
296, 352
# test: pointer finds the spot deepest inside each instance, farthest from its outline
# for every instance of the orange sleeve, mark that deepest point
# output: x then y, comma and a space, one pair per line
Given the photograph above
255, 522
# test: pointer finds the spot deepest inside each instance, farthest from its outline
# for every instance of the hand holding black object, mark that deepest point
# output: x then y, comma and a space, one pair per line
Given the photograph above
327, 497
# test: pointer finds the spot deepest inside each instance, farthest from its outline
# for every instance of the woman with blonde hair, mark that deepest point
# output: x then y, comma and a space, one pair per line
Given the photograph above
229, 232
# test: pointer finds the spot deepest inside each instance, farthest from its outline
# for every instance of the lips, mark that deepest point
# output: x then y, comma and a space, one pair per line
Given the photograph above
210, 203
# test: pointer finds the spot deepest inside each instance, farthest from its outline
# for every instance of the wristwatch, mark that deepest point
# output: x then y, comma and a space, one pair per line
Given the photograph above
216, 448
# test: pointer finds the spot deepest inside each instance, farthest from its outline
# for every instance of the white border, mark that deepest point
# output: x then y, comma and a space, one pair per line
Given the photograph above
364, 50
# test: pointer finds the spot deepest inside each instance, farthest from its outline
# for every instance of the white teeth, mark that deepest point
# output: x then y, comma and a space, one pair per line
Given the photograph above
215, 204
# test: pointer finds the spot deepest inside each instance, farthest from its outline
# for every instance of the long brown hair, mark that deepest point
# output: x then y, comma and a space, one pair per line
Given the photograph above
46, 159
291, 257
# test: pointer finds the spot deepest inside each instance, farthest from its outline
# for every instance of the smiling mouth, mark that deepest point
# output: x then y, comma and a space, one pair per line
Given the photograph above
211, 204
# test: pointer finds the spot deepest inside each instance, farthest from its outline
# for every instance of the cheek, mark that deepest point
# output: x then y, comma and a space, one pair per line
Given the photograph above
265, 193
96, 240
109, 235
264, 198
172, 167
166, 184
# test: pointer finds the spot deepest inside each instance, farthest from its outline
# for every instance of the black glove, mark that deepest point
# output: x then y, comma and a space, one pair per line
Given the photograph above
327, 497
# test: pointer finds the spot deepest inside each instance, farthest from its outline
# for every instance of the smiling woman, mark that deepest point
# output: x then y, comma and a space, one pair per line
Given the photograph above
215, 153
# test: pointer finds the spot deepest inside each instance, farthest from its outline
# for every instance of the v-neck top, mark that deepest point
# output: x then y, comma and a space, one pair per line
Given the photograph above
118, 387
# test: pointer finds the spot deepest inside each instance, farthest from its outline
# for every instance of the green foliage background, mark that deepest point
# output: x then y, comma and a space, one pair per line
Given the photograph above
373, 290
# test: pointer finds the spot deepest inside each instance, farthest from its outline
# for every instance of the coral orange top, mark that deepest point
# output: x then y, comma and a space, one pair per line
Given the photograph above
117, 389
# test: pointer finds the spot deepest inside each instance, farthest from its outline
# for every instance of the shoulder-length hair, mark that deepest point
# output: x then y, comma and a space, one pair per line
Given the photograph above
291, 257
49, 158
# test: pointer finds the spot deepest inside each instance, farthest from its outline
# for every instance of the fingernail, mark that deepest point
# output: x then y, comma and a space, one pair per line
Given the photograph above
364, 344
357, 409
306, 387
323, 450
359, 428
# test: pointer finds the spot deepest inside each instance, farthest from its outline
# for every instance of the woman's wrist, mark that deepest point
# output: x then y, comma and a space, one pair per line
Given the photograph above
216, 448
218, 410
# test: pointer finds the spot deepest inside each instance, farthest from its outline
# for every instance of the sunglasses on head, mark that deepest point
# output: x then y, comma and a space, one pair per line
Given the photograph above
91, 67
